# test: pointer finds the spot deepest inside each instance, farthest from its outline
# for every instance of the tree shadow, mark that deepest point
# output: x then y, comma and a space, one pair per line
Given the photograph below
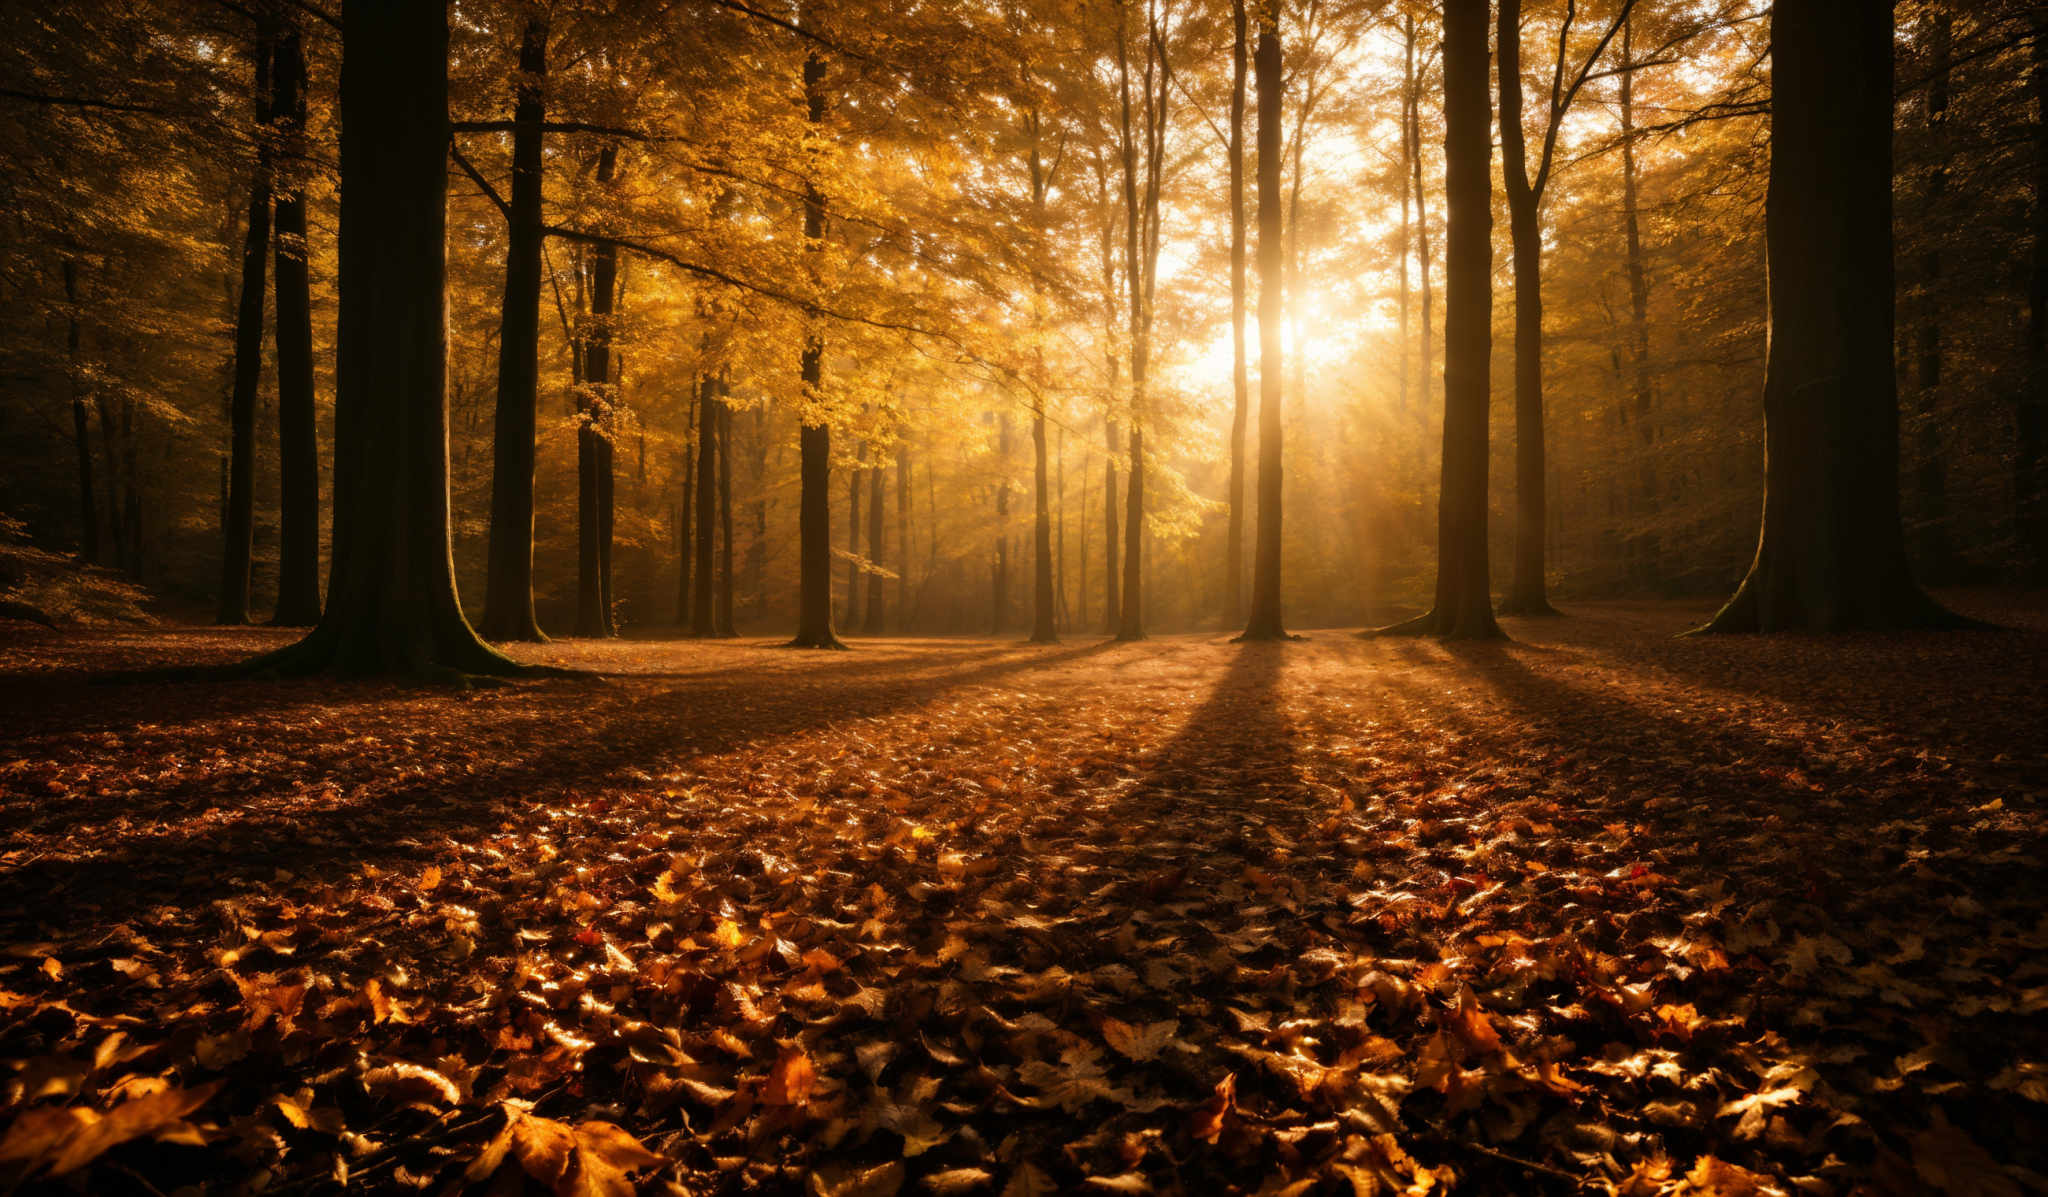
320, 812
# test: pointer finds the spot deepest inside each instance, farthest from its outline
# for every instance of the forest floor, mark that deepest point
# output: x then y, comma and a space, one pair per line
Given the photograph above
1597, 910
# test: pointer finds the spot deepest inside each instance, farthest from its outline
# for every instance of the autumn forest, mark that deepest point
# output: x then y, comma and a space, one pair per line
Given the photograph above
872, 597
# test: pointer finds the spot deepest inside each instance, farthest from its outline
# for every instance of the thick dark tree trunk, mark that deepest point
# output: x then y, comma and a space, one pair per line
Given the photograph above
1464, 599
873, 611
1265, 622
1831, 556
508, 587
814, 500
1240, 373
239, 527
1130, 624
721, 606
298, 437
593, 438
1112, 576
1526, 585
391, 601
703, 619
1044, 610
81, 428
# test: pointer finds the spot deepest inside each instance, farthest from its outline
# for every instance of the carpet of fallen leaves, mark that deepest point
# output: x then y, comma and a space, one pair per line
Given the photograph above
1598, 910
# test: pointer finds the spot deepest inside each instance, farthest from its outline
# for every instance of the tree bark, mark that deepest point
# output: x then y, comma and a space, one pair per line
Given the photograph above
298, 438
703, 621
81, 429
1464, 601
873, 611
1831, 556
1044, 609
722, 604
814, 502
686, 521
593, 437
391, 606
508, 586
1265, 619
1240, 374
1526, 585
239, 525
903, 534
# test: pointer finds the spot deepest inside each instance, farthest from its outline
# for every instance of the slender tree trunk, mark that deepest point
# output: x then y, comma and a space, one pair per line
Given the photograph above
1408, 156
298, 438
873, 612
391, 600
722, 607
593, 437
1526, 586
81, 430
1265, 620
1064, 617
903, 534
1044, 627
814, 503
1831, 556
508, 586
686, 521
1423, 264
1240, 373
1643, 413
239, 528
703, 620
1464, 601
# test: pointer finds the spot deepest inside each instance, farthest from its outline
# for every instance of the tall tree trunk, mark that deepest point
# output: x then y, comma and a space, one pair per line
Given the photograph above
703, 619
722, 603
1643, 412
686, 521
593, 437
1265, 622
298, 437
508, 585
1526, 586
391, 600
239, 527
1044, 608
81, 430
1936, 552
1464, 600
2030, 416
873, 612
814, 502
1240, 372
1422, 257
1831, 556
903, 534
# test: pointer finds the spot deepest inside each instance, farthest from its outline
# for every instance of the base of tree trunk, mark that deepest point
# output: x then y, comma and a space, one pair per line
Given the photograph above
1536, 606
827, 641
1433, 624
1764, 605
1264, 636
520, 631
1042, 638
